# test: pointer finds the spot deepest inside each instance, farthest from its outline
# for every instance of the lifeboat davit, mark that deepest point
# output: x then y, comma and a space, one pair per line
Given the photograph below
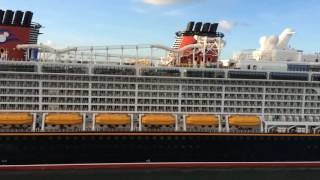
244, 121
63, 119
113, 119
158, 119
16, 119
202, 120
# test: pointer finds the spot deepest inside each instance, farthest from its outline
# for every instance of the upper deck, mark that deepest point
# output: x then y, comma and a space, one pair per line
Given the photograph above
113, 69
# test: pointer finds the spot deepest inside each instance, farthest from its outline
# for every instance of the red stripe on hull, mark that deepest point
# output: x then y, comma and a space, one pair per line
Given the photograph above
159, 165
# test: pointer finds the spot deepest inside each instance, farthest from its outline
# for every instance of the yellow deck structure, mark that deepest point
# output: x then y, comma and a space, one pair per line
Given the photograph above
16, 119
158, 119
244, 121
113, 119
202, 120
63, 119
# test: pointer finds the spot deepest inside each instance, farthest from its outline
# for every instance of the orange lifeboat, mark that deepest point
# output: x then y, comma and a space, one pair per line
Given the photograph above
244, 120
113, 119
202, 120
63, 119
16, 118
158, 119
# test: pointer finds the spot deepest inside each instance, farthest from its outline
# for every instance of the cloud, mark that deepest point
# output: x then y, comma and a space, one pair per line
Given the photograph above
48, 43
169, 2
227, 26
173, 8
52, 44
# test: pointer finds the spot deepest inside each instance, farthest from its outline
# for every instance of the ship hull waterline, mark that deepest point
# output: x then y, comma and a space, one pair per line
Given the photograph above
156, 150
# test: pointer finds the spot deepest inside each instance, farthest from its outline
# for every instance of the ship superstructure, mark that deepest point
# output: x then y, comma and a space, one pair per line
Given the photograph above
72, 87
156, 89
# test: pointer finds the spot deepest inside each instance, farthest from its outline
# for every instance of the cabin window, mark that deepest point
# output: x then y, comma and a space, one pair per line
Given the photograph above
298, 67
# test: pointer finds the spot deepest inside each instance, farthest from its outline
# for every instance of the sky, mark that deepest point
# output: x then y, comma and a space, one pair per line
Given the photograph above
114, 22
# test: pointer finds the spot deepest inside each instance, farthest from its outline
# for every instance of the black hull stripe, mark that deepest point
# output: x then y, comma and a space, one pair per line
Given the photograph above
160, 165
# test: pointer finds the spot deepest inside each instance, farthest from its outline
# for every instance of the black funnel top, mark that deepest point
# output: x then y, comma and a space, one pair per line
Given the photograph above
27, 18
1, 16
8, 16
213, 28
190, 26
205, 27
17, 18
198, 26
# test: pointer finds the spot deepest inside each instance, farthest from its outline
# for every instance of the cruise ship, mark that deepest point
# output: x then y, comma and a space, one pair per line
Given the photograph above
137, 106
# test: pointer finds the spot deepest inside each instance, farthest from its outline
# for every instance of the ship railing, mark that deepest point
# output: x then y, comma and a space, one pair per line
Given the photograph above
117, 54
143, 54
